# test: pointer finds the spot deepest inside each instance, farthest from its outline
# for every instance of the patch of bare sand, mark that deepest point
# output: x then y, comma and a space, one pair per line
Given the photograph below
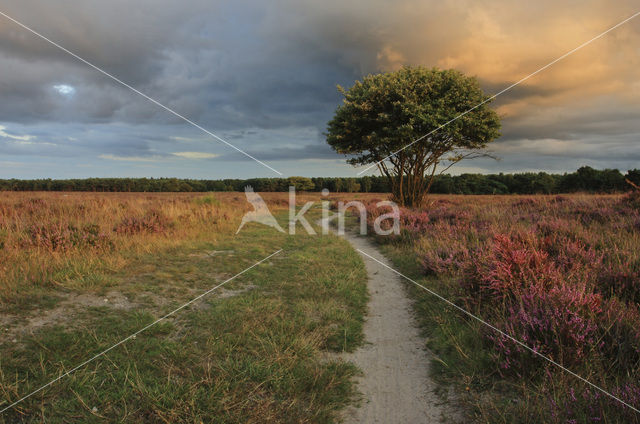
67, 309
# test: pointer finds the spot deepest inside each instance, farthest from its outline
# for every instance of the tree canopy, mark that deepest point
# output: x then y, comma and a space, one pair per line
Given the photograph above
585, 179
383, 115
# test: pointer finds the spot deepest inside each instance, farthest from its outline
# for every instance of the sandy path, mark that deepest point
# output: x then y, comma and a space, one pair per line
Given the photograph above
396, 385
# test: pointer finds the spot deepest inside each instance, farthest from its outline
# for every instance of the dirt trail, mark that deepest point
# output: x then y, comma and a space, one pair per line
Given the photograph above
396, 386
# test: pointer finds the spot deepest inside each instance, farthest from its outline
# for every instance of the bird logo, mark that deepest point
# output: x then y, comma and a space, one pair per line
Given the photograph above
260, 212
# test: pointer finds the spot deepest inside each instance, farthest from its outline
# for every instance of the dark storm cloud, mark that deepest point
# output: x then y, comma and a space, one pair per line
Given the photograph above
572, 122
232, 66
263, 74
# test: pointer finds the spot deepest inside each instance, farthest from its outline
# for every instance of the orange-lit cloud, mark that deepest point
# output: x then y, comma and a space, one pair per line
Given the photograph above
502, 42
579, 104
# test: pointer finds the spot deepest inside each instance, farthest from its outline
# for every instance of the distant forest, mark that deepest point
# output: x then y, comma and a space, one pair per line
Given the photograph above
585, 179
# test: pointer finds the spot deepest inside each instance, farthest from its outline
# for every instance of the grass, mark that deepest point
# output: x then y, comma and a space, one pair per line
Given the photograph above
254, 351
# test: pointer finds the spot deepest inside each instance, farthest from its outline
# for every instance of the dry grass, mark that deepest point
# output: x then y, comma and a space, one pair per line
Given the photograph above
48, 239
80, 271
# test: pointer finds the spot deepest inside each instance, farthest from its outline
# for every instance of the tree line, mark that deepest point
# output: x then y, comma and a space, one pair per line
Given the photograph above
585, 179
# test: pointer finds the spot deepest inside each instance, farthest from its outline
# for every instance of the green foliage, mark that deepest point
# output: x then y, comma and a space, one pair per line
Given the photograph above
634, 176
366, 184
301, 183
593, 180
585, 179
207, 200
383, 114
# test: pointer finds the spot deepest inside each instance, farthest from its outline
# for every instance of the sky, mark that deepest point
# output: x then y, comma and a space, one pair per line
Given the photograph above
262, 75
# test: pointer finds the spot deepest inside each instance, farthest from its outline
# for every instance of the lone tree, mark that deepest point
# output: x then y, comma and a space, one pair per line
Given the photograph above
383, 114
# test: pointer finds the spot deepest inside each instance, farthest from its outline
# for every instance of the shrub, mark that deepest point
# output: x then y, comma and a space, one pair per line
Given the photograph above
447, 259
549, 323
450, 216
589, 215
631, 200
592, 406
415, 222
511, 264
32, 206
525, 202
621, 279
620, 336
63, 237
151, 222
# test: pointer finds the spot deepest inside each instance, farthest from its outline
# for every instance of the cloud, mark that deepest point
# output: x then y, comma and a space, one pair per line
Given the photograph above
262, 75
132, 158
65, 90
5, 134
186, 139
196, 155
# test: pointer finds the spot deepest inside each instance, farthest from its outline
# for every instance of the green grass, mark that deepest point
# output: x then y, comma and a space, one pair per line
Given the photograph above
209, 199
257, 355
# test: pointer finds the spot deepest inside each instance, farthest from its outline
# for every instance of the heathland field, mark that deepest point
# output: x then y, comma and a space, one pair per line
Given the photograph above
560, 274
81, 271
